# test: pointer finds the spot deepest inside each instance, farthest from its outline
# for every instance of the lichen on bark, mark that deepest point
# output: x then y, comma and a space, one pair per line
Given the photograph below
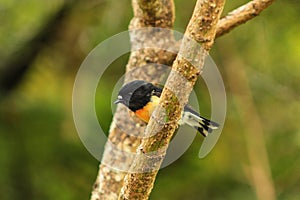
114, 164
160, 13
201, 29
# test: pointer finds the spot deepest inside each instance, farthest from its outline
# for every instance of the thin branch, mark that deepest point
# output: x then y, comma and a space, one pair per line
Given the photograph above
113, 165
139, 181
259, 166
155, 13
241, 15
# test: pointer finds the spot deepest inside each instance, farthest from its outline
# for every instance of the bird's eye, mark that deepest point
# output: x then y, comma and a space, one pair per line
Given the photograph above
120, 97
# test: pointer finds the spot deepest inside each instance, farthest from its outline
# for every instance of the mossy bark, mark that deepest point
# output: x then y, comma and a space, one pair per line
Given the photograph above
159, 13
202, 27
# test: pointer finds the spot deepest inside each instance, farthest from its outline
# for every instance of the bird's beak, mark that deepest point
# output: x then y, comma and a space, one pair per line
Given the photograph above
117, 101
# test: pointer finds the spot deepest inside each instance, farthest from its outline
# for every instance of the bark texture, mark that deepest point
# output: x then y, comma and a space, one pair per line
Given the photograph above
139, 181
158, 13
123, 137
241, 15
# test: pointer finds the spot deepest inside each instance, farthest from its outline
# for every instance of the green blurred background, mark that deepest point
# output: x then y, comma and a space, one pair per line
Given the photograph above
42, 46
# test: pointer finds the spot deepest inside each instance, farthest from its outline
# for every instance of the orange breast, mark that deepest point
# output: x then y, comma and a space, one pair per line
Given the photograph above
145, 113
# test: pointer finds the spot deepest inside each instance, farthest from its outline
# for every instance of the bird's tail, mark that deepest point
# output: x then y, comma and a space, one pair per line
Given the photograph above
193, 119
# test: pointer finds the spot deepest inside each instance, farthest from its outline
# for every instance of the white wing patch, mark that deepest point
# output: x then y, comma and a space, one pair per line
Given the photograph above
204, 126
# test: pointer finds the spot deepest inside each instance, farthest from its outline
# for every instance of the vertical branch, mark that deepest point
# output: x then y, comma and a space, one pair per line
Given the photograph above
254, 136
139, 181
160, 13
120, 145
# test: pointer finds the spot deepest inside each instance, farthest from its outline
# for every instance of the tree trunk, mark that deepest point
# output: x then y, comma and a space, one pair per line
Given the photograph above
202, 28
162, 125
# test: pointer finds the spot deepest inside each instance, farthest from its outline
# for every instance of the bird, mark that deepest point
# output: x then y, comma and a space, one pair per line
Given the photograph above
142, 97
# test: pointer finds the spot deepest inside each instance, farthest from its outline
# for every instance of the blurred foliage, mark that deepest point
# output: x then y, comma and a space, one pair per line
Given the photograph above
41, 156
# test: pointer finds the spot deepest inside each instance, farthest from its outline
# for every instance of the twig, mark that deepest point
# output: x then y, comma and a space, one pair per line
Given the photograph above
146, 13
241, 15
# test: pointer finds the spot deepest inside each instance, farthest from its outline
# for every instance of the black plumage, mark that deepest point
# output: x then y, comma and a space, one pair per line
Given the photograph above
137, 94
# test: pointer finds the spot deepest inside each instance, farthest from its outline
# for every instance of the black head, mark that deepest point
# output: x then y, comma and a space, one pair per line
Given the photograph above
136, 94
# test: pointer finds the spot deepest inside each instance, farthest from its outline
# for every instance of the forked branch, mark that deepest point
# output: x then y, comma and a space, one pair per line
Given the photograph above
138, 183
159, 13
